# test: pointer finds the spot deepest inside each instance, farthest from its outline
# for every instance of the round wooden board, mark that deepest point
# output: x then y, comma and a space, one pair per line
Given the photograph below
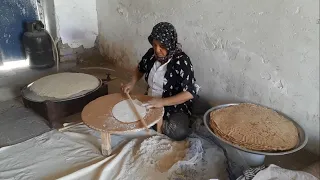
98, 114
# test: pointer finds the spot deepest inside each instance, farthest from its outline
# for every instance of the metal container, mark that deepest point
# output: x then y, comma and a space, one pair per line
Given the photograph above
54, 110
303, 138
38, 46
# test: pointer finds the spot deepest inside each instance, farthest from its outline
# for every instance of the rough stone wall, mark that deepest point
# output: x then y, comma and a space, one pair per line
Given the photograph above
265, 52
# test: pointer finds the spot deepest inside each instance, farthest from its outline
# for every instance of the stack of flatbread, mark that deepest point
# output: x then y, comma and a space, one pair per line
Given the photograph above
254, 127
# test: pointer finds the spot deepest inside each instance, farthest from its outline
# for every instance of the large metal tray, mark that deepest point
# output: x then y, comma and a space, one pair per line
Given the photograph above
303, 138
53, 110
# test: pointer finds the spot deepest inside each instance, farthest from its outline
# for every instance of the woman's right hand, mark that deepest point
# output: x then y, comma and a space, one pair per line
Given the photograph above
127, 88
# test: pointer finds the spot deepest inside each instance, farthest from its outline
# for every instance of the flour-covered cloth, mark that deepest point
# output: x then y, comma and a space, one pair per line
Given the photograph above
158, 157
75, 154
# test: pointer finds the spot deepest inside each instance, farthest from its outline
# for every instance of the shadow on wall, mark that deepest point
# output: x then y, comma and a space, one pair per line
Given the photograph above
118, 54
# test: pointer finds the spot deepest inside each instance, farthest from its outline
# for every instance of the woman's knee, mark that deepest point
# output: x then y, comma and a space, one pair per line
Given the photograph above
177, 127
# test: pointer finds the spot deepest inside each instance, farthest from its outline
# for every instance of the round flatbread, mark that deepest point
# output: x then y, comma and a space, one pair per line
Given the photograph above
124, 113
64, 85
254, 127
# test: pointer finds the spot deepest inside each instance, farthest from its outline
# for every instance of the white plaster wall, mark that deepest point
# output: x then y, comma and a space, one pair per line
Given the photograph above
265, 52
76, 22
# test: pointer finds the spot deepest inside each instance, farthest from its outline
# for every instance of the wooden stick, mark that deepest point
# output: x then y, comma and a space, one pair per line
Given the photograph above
159, 126
137, 113
70, 126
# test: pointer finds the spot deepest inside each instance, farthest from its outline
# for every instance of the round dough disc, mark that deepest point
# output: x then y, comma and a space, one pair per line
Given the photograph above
124, 113
64, 85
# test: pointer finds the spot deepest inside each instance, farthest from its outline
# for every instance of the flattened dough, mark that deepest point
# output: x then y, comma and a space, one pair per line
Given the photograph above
123, 112
64, 85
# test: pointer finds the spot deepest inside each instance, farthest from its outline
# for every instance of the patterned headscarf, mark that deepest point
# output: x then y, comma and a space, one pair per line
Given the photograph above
166, 34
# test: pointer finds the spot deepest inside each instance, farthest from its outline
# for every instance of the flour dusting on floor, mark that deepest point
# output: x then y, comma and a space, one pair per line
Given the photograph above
154, 159
162, 153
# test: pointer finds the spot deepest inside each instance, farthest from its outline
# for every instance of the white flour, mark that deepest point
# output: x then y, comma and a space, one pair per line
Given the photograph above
159, 158
154, 159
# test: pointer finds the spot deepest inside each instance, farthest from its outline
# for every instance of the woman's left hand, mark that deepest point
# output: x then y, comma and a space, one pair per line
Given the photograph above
155, 103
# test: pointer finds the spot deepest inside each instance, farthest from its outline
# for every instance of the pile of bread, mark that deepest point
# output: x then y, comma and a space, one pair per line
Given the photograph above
254, 127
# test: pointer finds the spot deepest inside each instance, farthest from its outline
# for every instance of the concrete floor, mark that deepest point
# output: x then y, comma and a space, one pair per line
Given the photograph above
18, 124
11, 81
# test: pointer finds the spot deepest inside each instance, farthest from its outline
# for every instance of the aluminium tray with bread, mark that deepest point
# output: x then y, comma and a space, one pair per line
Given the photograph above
303, 139
53, 110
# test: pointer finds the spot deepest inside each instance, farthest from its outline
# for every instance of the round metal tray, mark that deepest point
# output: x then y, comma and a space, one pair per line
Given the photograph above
303, 138
26, 93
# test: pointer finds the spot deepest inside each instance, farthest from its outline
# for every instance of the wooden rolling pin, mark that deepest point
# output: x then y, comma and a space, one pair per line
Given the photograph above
137, 113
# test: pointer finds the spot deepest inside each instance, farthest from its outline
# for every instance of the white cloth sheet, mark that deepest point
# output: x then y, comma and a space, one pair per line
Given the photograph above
274, 172
75, 154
